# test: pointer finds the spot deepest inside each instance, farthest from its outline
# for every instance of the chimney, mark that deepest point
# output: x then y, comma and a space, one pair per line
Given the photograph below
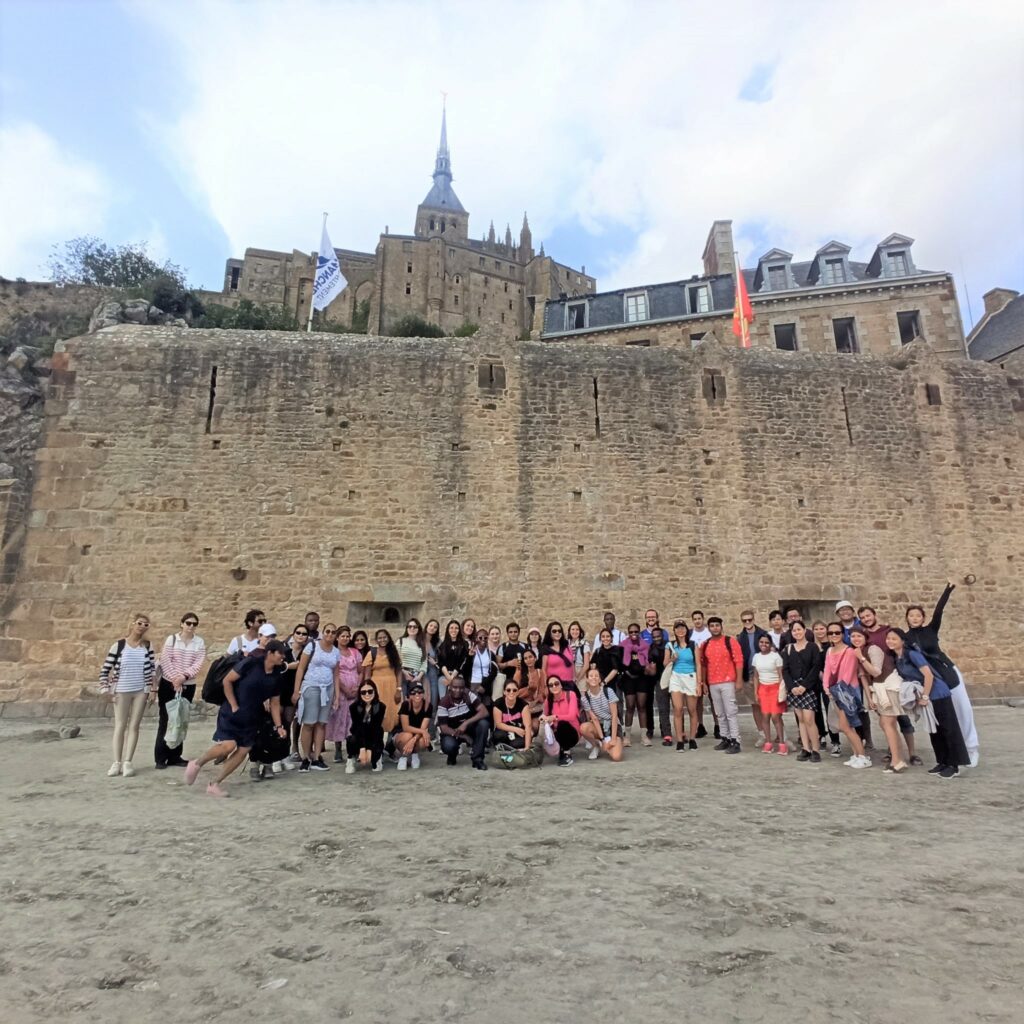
997, 298
718, 251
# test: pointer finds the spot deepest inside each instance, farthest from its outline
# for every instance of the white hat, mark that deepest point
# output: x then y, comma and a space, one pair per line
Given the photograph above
268, 629
843, 604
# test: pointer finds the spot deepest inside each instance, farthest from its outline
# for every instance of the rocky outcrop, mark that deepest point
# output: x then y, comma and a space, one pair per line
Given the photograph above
112, 312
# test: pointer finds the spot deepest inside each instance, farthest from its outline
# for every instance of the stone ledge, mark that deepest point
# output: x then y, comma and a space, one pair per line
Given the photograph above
27, 710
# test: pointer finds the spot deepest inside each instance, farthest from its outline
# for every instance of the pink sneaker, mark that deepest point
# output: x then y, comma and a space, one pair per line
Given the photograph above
766, 749
191, 772
214, 790
783, 749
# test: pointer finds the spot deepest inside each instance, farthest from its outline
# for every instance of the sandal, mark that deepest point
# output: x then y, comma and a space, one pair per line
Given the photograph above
916, 761
894, 769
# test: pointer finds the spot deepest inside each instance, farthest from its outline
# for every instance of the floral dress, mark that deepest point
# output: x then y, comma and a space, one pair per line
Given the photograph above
340, 722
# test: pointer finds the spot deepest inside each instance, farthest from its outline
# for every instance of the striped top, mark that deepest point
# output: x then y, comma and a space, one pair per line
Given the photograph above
179, 658
413, 658
110, 673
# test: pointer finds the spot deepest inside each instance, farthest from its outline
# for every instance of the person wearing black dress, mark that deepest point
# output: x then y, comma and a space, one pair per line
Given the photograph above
607, 658
801, 671
926, 637
365, 742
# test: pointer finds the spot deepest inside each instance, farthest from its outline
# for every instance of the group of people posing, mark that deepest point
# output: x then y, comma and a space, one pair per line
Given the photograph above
471, 688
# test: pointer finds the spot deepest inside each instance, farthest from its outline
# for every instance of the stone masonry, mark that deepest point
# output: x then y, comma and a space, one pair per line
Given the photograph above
374, 478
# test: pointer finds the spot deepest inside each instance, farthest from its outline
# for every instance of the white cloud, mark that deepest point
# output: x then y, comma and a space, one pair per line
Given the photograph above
46, 193
880, 117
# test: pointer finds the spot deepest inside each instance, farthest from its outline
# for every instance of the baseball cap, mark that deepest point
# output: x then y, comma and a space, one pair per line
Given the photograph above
843, 604
268, 629
415, 688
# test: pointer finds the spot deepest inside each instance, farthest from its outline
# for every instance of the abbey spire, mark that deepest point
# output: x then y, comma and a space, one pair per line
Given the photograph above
442, 196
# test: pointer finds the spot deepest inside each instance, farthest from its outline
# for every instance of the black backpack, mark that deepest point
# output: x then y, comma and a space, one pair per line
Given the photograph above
213, 684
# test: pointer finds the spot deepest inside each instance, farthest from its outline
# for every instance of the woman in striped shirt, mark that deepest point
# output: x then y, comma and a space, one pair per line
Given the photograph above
127, 677
180, 661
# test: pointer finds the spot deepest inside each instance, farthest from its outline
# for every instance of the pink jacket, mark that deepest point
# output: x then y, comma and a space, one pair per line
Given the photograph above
641, 647
840, 668
565, 708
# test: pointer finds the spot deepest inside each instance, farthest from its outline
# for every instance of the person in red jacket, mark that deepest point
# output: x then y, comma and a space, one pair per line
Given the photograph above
722, 661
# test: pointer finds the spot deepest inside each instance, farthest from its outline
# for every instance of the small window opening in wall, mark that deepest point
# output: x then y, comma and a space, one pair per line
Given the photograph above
213, 398
86, 548
216, 443
207, 552
577, 495
235, 273
845, 335
579, 549
933, 394
640, 342
351, 495
336, 446
713, 387
491, 376
408, 268
691, 550
785, 337
696, 337
576, 316
392, 614
408, 289
597, 411
699, 502
910, 326
455, 549
460, 497
800, 503
577, 447
456, 300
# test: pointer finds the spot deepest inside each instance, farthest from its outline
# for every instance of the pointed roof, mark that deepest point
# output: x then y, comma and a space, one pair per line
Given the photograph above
442, 196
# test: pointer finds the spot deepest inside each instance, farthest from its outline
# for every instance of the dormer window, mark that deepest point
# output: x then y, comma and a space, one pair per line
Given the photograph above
835, 272
774, 272
575, 316
636, 307
700, 298
896, 263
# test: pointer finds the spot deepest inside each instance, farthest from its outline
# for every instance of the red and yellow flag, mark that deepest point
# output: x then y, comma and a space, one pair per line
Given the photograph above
742, 311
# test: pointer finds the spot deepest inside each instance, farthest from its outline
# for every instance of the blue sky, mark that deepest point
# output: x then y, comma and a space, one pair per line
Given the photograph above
205, 126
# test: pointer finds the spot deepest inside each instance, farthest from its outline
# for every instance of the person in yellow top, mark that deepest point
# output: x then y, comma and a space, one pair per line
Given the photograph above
383, 666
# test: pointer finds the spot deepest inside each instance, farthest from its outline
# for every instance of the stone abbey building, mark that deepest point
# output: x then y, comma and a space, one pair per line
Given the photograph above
438, 272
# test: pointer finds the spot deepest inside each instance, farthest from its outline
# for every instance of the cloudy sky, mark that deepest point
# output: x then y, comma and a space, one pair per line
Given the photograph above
623, 127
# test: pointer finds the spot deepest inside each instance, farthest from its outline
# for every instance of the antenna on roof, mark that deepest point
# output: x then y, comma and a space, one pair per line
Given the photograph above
967, 294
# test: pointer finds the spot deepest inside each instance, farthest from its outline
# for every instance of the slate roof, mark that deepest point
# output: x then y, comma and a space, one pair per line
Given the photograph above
1000, 334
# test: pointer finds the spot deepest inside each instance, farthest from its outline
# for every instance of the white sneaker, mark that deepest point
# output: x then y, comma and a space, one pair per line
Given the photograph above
859, 761
114, 769
974, 759
295, 758
350, 766
849, 762
588, 745
592, 756
277, 767
415, 760
760, 741
379, 766
403, 763
127, 770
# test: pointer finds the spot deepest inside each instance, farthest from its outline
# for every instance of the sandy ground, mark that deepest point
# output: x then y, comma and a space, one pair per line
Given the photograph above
674, 886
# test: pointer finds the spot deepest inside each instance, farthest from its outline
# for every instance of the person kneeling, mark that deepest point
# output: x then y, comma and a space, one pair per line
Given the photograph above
462, 718
601, 729
513, 724
365, 742
413, 728
246, 690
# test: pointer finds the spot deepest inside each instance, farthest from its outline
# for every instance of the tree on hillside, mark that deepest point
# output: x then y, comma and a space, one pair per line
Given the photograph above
88, 260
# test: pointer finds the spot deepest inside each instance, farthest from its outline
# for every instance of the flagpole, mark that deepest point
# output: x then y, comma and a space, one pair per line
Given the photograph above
309, 322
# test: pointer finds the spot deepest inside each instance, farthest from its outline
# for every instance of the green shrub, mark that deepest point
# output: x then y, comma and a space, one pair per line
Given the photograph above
412, 326
466, 331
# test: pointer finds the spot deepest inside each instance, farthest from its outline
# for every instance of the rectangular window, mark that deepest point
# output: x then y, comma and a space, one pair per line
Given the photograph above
506, 286
845, 335
408, 289
456, 300
785, 337
636, 307
700, 300
576, 316
451, 254
897, 263
235, 272
640, 343
497, 265
502, 317
483, 262
509, 303
777, 281
910, 326
408, 268
696, 337
835, 272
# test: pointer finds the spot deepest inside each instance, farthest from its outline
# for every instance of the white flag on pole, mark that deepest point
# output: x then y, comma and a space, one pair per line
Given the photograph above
329, 281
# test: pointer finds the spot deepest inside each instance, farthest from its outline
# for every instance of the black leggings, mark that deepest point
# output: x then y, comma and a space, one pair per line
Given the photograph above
353, 748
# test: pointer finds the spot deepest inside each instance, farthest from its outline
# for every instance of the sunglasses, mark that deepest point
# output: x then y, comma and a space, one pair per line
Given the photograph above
191, 622
555, 632
554, 686
412, 625
748, 621
835, 632
329, 632
366, 693
303, 633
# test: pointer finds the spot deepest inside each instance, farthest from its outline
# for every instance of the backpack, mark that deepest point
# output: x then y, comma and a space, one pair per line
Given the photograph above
213, 684
508, 757
115, 669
